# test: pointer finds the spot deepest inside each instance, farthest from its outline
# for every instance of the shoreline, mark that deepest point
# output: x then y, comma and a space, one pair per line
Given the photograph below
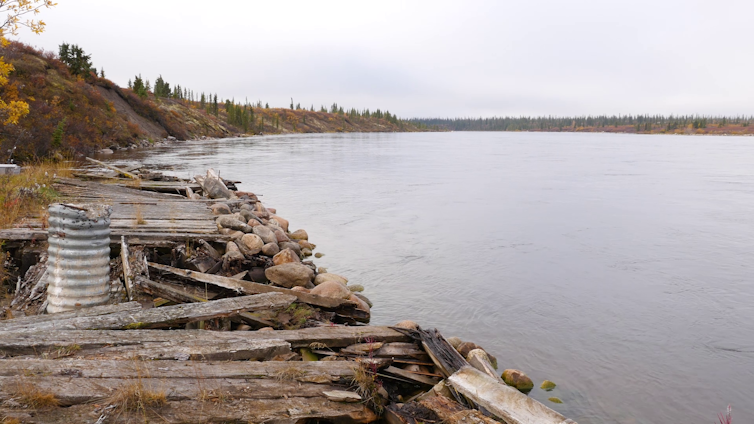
235, 240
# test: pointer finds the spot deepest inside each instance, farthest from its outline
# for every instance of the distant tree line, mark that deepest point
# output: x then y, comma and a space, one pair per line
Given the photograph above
639, 123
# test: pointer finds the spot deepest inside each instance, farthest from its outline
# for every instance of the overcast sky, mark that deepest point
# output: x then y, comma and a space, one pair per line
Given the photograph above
433, 58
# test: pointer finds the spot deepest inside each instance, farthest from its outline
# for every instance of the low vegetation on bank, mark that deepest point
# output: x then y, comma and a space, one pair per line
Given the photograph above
637, 124
74, 109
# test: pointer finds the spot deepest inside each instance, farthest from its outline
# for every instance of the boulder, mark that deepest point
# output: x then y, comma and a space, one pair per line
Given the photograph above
232, 253
290, 245
272, 210
299, 235
332, 289
253, 223
321, 278
481, 361
306, 252
253, 243
246, 207
465, 348
410, 325
455, 342
106, 151
213, 186
261, 211
256, 274
265, 233
547, 385
281, 237
247, 215
281, 221
228, 221
286, 256
318, 254
321, 270
306, 244
364, 298
290, 274
361, 304
220, 209
273, 225
300, 289
518, 379
270, 249
356, 288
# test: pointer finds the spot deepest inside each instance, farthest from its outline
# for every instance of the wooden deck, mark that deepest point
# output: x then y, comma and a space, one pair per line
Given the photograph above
144, 217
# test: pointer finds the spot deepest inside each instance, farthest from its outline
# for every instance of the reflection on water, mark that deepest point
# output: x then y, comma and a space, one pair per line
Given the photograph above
617, 266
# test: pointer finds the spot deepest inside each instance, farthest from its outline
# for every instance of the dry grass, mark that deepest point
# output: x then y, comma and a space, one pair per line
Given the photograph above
31, 396
9, 420
368, 387
135, 397
139, 215
30, 192
289, 373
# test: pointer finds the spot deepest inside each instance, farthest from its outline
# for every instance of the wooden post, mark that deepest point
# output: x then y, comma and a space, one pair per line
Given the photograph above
126, 268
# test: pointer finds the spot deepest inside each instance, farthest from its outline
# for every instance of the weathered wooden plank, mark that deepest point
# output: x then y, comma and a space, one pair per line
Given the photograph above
209, 410
106, 368
451, 412
506, 403
179, 294
94, 342
24, 322
73, 391
416, 378
167, 316
246, 287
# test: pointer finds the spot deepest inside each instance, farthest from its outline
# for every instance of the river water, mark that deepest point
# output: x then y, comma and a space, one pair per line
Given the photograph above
618, 266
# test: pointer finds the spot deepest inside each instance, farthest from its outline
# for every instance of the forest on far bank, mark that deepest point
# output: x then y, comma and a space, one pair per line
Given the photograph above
637, 124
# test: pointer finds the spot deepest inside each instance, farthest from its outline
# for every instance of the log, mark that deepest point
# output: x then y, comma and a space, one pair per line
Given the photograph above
168, 316
95, 343
114, 168
246, 287
506, 403
38, 320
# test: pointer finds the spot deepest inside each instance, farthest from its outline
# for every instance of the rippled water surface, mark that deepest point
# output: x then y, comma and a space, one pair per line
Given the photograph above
618, 266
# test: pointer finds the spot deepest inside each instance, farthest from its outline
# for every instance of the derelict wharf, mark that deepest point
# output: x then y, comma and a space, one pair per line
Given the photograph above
205, 323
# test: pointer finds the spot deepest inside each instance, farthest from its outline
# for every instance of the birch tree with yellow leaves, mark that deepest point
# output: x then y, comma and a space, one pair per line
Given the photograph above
18, 14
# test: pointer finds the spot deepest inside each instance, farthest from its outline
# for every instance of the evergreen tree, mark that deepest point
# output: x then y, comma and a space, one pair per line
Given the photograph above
78, 62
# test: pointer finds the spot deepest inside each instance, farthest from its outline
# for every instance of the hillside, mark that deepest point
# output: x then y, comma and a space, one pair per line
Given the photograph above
72, 115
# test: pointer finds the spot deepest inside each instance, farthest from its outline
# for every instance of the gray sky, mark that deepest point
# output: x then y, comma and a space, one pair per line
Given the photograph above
433, 58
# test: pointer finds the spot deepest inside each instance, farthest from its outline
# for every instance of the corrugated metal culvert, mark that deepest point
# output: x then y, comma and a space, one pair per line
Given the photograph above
78, 267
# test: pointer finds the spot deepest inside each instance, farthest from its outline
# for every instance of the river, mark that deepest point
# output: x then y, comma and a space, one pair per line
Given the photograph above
618, 266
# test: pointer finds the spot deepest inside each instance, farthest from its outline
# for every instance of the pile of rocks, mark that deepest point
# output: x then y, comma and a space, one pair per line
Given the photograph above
280, 256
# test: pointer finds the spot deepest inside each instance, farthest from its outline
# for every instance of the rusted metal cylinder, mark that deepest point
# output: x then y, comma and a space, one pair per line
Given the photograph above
78, 266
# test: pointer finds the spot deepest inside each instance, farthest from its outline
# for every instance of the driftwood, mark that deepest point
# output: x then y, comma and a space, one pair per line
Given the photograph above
168, 316
414, 378
114, 168
95, 343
